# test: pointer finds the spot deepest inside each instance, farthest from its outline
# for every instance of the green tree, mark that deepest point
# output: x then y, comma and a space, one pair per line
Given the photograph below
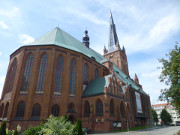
170, 75
16, 132
57, 126
78, 128
155, 116
3, 128
165, 117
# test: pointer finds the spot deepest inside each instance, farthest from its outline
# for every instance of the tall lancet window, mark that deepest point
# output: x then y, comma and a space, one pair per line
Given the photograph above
42, 74
27, 74
72, 78
85, 81
11, 76
58, 77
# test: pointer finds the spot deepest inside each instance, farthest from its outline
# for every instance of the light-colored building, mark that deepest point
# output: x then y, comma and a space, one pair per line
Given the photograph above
171, 109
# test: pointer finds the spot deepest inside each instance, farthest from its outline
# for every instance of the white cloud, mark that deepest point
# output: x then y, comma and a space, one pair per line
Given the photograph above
25, 39
164, 28
10, 14
3, 25
89, 17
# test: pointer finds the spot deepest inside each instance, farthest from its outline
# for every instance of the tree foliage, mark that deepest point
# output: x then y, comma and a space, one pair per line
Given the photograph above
57, 126
78, 128
155, 116
170, 75
3, 128
165, 117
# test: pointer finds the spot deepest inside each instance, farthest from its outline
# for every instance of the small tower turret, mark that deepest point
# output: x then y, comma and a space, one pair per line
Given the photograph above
105, 50
86, 39
136, 80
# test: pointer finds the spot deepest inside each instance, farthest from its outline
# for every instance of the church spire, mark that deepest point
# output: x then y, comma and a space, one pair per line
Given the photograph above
113, 38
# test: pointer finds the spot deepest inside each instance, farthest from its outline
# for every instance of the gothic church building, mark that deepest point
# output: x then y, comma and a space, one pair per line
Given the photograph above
59, 75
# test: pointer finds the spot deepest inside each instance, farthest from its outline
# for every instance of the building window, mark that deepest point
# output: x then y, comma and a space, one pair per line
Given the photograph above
42, 74
11, 76
72, 78
96, 73
1, 111
6, 110
71, 108
20, 110
99, 107
27, 74
111, 108
58, 77
86, 109
36, 112
85, 81
55, 110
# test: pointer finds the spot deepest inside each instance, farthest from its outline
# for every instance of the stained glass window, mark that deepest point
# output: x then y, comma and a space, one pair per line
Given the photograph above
72, 78
58, 77
55, 110
99, 107
27, 74
11, 76
20, 109
42, 74
85, 81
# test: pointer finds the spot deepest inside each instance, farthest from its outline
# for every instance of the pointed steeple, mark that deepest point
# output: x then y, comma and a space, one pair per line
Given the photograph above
113, 38
136, 80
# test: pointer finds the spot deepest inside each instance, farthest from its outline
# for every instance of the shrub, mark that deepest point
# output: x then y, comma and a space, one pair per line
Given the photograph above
57, 126
33, 130
78, 128
3, 128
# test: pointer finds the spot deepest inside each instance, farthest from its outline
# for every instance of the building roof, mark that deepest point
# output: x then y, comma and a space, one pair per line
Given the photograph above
60, 38
166, 105
122, 76
96, 86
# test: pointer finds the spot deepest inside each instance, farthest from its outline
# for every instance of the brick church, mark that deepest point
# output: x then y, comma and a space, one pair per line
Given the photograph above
59, 75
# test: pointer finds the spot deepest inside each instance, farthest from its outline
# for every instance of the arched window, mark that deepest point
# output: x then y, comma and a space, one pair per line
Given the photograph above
111, 107
42, 74
55, 110
11, 76
71, 108
72, 78
1, 111
85, 81
27, 74
96, 73
36, 111
6, 110
122, 111
86, 108
20, 110
58, 77
99, 107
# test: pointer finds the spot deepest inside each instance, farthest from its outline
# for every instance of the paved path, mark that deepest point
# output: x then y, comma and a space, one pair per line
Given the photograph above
151, 131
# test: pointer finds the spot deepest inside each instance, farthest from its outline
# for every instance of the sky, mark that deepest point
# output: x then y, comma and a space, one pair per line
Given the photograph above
147, 29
